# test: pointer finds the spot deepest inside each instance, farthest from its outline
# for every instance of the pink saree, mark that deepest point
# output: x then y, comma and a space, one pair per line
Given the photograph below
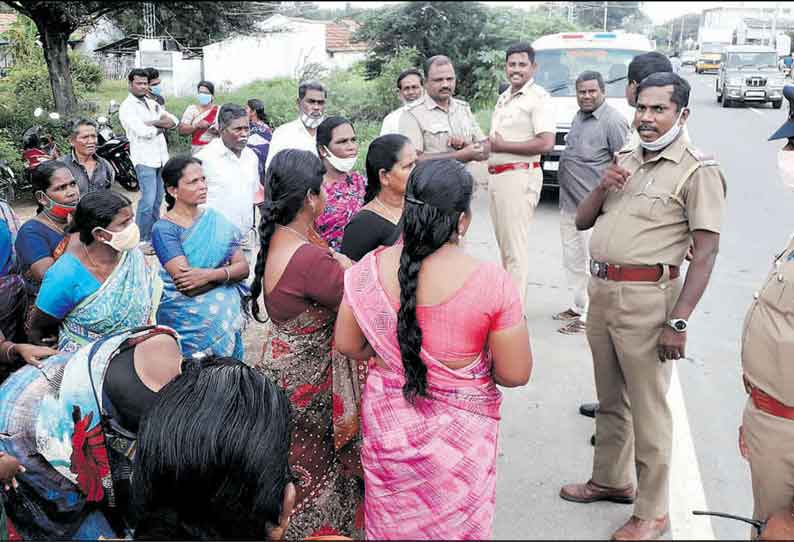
429, 468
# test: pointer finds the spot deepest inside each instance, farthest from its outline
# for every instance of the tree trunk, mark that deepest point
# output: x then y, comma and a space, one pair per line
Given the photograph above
55, 43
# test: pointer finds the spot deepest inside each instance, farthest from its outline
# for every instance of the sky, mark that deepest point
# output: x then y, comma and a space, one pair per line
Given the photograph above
659, 12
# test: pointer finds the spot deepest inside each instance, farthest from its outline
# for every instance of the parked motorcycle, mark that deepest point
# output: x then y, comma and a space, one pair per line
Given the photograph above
116, 150
38, 145
8, 182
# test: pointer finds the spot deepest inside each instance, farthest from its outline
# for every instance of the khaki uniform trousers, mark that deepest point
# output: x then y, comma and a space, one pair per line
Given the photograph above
634, 425
514, 196
770, 445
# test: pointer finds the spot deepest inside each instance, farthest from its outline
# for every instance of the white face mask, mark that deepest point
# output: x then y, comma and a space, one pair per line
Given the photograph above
341, 164
311, 122
123, 240
665, 139
785, 168
416, 101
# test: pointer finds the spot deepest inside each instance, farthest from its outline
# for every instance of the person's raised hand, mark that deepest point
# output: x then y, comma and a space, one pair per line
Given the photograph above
615, 176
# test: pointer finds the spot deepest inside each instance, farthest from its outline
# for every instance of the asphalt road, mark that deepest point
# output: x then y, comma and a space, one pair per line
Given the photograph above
544, 442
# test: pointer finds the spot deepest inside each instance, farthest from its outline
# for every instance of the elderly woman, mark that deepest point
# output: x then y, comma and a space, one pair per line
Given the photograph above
390, 160
101, 284
199, 121
203, 266
42, 239
344, 188
72, 424
301, 284
212, 458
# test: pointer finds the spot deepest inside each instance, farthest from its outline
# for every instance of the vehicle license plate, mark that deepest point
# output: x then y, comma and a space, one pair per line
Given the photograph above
551, 166
754, 93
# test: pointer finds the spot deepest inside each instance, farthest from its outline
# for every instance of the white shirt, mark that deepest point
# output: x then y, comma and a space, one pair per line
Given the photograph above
147, 143
232, 182
292, 135
391, 124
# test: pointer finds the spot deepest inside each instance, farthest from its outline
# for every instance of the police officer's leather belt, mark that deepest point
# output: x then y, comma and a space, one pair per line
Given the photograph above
766, 403
634, 273
501, 168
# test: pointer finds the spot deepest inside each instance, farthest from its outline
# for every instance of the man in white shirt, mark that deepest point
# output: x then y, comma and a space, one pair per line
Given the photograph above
144, 121
232, 172
301, 132
409, 88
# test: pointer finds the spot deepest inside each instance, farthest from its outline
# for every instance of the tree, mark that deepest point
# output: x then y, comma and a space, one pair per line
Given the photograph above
670, 34
472, 35
57, 20
590, 15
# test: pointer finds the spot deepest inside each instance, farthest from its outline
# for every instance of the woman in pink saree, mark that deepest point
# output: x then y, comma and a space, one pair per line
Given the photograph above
443, 329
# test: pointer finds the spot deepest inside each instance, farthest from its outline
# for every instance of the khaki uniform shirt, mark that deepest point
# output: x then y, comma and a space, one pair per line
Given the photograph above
429, 126
768, 338
664, 200
519, 117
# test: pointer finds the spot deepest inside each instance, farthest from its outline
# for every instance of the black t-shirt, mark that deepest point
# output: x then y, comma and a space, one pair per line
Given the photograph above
366, 232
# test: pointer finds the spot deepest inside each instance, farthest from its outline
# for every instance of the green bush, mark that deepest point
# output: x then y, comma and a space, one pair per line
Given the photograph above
9, 152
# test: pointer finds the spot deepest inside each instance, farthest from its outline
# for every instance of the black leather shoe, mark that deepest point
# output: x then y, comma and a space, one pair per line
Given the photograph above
592, 440
588, 409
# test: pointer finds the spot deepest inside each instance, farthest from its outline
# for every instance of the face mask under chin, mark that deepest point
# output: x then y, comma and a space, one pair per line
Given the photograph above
311, 122
665, 139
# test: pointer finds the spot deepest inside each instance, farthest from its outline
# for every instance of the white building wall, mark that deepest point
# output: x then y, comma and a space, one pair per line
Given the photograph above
237, 61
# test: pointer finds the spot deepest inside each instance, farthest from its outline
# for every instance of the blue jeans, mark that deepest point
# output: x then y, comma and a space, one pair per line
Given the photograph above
152, 191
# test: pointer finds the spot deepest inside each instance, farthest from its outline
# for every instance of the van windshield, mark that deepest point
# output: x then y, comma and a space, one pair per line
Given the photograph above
558, 69
752, 60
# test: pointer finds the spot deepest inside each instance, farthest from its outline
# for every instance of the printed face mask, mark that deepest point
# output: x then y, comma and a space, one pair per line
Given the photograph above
123, 240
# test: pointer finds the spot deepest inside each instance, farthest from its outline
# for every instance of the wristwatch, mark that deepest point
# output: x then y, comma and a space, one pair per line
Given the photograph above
679, 325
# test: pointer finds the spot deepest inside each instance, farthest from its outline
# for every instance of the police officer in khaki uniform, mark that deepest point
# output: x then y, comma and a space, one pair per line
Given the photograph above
652, 202
522, 127
766, 436
441, 126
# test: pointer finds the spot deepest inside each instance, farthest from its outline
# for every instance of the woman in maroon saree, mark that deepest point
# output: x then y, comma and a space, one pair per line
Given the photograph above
302, 283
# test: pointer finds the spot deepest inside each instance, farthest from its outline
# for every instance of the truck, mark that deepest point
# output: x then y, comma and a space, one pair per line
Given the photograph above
562, 57
711, 43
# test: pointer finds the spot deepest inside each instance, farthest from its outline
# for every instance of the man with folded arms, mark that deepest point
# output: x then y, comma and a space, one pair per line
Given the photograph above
653, 203
522, 127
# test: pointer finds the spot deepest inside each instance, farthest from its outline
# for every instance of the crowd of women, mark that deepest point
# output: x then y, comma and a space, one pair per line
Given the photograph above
129, 410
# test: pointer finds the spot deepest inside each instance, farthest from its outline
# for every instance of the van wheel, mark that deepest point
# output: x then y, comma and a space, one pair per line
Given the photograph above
726, 102
776, 104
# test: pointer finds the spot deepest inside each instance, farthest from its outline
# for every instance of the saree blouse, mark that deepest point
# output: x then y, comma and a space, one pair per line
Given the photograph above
65, 285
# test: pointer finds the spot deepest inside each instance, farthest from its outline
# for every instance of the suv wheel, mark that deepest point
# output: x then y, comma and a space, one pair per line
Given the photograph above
777, 103
726, 102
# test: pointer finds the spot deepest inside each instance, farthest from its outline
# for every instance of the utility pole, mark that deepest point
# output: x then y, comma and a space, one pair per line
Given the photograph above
606, 8
681, 34
774, 25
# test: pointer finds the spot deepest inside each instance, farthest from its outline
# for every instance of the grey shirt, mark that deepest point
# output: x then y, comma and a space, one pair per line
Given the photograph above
100, 179
592, 142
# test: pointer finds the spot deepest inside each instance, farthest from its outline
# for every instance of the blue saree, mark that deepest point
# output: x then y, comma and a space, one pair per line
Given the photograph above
54, 420
210, 323
124, 301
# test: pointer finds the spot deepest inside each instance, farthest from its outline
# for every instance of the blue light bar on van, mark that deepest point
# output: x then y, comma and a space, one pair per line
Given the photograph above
608, 35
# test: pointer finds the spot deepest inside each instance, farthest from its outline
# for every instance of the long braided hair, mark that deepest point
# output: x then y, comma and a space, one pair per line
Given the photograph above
437, 193
291, 176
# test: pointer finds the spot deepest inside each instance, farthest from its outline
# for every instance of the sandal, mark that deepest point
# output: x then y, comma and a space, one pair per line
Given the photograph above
574, 327
567, 315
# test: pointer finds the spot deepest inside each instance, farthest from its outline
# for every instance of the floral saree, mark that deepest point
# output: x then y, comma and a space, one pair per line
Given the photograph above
324, 389
124, 301
429, 467
55, 420
210, 323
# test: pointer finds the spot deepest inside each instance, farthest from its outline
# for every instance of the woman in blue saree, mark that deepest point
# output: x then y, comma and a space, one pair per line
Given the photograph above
72, 423
102, 283
203, 266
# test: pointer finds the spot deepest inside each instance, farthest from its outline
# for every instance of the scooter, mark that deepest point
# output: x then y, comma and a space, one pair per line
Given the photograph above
116, 150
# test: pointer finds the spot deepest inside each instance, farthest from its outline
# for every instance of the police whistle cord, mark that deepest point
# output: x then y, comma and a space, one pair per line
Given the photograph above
757, 523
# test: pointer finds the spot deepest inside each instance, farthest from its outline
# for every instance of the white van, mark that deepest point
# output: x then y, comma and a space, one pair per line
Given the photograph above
562, 57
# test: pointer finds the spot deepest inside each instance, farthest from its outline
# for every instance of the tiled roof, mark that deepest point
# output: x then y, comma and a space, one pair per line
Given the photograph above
338, 37
6, 20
